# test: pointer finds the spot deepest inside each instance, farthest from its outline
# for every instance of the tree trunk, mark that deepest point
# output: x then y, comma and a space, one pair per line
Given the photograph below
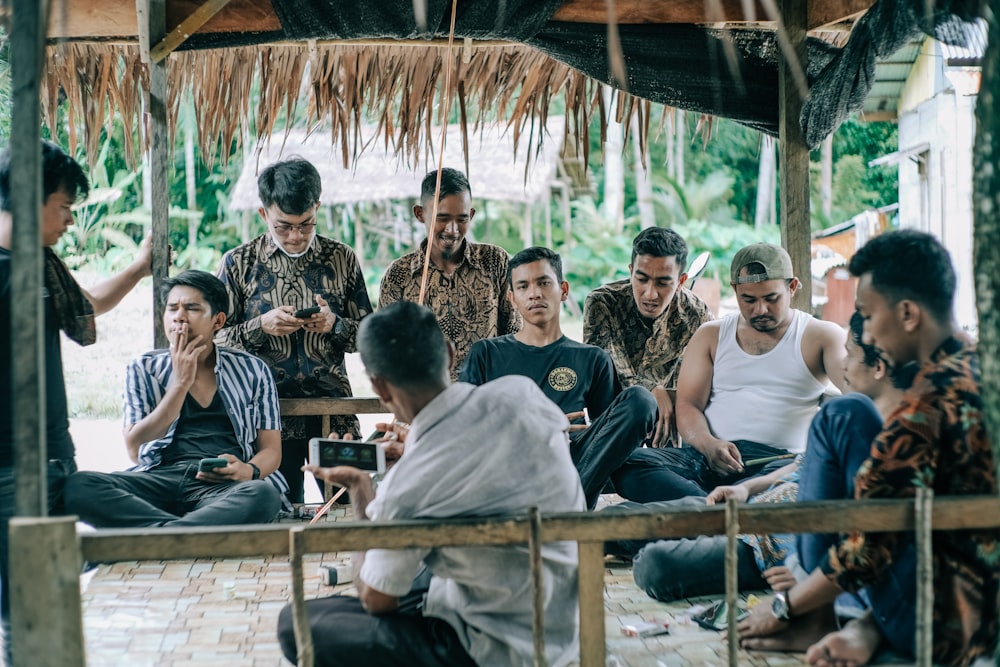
643, 183
986, 211
613, 206
681, 139
189, 179
765, 183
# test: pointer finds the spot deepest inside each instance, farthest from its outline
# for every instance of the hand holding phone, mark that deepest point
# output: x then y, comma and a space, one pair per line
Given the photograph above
210, 464
305, 313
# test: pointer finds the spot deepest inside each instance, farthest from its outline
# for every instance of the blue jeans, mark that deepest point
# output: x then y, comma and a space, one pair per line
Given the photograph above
655, 475
169, 495
840, 439
604, 446
58, 471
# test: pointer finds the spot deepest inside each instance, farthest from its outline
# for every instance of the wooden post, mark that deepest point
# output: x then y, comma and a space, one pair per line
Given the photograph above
27, 321
526, 232
46, 610
300, 617
590, 577
793, 152
537, 585
732, 584
925, 577
160, 151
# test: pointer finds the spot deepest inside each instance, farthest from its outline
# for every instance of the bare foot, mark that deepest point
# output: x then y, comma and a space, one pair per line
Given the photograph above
854, 645
803, 632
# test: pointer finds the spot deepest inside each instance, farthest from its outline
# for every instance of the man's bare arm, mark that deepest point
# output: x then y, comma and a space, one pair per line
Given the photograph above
106, 295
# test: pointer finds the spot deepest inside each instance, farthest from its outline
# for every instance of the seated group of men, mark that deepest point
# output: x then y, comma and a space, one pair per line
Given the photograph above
613, 409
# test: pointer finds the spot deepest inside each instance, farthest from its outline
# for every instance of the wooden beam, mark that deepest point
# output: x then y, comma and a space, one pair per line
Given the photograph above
590, 575
27, 321
186, 28
114, 19
46, 623
356, 405
793, 154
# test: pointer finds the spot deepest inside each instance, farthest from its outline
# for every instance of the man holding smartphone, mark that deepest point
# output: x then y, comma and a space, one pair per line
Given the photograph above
201, 423
296, 299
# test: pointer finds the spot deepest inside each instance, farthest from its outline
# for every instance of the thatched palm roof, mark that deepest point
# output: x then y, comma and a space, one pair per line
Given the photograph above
497, 169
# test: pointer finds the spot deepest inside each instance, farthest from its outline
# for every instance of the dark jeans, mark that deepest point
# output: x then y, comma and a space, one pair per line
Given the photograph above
345, 634
840, 439
602, 447
893, 600
168, 495
294, 454
654, 475
58, 471
672, 569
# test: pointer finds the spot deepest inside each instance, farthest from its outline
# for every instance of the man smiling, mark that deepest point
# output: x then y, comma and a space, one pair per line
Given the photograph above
466, 281
575, 376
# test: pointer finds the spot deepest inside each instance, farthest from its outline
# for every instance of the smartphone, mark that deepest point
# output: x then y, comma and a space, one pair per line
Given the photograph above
305, 312
209, 465
716, 616
327, 453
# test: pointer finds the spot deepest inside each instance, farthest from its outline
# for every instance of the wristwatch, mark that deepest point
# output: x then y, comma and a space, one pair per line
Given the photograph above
780, 607
256, 470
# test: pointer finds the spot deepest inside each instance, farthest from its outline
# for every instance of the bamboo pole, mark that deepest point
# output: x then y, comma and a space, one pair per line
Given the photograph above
925, 576
732, 584
590, 576
537, 585
300, 617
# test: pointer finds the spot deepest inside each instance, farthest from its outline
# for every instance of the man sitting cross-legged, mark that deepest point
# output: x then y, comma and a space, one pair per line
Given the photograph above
574, 375
492, 450
194, 401
937, 439
672, 569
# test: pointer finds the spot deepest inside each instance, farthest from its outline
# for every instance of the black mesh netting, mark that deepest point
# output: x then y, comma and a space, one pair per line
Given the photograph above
732, 74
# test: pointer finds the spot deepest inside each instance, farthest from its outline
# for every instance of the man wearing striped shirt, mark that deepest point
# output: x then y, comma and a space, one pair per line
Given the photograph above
192, 402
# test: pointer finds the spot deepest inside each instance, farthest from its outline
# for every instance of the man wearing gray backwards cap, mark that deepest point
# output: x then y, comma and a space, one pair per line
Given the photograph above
750, 382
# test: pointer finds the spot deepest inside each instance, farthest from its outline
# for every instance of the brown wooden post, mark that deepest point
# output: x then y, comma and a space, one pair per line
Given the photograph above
46, 610
300, 617
590, 576
793, 154
27, 321
925, 577
732, 584
537, 585
160, 150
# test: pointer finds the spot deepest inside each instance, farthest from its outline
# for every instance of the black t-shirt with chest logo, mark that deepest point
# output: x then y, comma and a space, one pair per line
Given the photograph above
572, 374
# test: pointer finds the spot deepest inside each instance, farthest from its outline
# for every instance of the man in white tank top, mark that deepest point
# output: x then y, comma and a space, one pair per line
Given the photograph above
750, 383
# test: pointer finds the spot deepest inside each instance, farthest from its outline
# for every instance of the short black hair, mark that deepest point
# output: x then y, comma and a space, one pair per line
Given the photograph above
534, 254
210, 287
294, 185
857, 329
59, 172
403, 344
908, 264
453, 182
660, 242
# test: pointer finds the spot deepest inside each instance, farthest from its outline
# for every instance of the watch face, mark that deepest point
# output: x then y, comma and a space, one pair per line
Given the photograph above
780, 607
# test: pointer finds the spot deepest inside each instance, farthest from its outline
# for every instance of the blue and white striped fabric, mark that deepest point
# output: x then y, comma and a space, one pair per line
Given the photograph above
244, 383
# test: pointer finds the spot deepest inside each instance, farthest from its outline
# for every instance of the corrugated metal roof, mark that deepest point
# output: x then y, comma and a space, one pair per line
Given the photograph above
970, 55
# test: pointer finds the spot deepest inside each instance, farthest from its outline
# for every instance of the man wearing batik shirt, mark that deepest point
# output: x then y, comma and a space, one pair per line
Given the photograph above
270, 279
645, 322
935, 439
466, 282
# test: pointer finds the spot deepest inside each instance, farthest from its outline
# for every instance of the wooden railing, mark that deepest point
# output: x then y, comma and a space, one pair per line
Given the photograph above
46, 553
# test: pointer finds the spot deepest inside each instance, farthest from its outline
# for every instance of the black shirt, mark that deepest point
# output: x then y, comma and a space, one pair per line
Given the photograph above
202, 433
60, 444
574, 375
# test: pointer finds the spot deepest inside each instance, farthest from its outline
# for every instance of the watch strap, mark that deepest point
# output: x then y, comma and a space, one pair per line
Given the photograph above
256, 470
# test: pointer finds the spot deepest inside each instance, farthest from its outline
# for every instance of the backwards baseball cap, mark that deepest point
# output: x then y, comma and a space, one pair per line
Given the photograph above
776, 262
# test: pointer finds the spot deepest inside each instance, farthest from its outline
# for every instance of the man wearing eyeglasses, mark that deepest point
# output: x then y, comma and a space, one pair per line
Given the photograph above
274, 277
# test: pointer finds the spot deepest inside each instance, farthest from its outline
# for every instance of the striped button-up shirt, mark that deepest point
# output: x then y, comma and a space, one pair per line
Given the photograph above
244, 384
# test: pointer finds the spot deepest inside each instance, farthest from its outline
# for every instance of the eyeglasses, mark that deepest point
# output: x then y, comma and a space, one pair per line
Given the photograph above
284, 228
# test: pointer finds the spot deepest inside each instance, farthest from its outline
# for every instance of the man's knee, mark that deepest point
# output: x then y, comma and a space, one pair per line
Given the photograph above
262, 498
655, 571
639, 404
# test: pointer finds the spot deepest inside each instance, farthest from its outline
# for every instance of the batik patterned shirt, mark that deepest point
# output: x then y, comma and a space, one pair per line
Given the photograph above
259, 277
935, 439
470, 305
645, 352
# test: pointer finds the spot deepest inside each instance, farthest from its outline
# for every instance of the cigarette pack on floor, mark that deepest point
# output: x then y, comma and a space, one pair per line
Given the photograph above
649, 629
